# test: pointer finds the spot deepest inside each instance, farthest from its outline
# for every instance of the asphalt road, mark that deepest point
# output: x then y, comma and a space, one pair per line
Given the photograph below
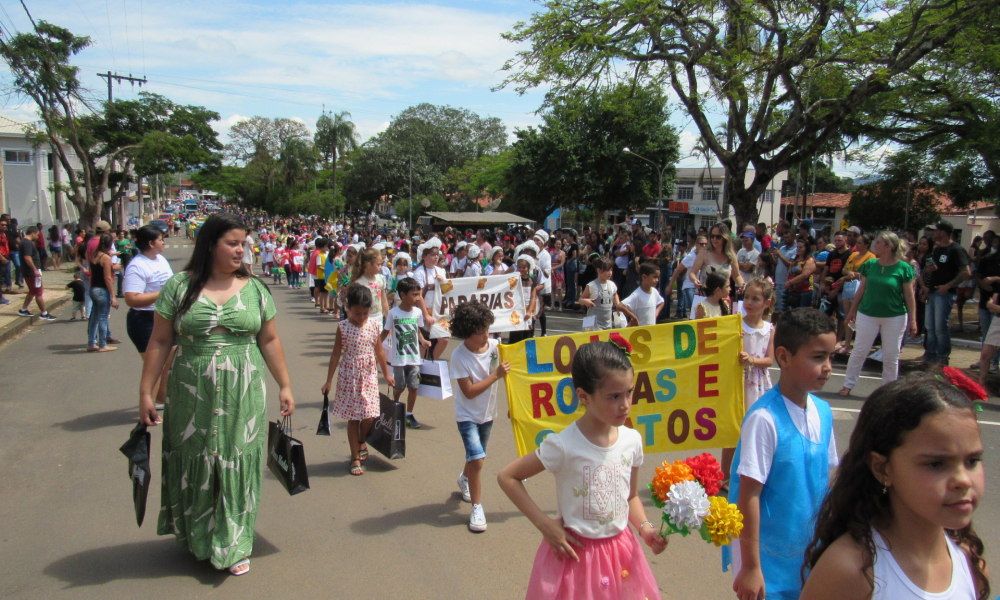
399, 531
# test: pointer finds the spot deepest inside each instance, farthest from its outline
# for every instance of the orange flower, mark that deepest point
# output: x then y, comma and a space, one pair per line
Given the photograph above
668, 475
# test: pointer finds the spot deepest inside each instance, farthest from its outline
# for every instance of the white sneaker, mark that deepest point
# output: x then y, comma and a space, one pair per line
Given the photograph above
477, 522
463, 486
877, 355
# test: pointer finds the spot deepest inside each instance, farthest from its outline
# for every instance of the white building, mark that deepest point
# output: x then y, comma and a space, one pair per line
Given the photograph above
28, 174
697, 197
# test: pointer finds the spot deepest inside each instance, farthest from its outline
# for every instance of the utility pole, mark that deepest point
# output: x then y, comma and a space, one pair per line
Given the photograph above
411, 195
113, 77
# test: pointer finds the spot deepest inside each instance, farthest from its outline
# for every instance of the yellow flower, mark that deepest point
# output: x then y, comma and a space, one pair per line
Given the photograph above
668, 475
724, 522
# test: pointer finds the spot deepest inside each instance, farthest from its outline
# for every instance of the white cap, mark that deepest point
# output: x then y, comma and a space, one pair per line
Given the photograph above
542, 235
495, 250
460, 245
473, 251
528, 259
402, 256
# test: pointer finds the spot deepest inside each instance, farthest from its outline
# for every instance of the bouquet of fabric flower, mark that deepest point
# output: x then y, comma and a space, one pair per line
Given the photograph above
686, 491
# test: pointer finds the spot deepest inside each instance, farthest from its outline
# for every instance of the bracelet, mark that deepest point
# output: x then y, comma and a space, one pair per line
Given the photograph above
644, 523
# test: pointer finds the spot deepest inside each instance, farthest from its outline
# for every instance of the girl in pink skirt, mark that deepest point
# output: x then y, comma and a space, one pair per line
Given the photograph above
589, 552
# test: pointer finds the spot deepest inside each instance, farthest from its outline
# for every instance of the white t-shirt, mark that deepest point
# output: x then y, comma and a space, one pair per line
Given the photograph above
248, 251
545, 267
458, 264
404, 338
477, 367
744, 256
427, 278
474, 269
592, 483
267, 254
688, 261
643, 305
144, 276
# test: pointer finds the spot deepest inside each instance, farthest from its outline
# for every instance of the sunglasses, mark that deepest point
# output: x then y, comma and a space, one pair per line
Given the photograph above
716, 236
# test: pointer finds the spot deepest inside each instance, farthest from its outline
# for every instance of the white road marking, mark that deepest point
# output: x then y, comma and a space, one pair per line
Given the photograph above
857, 410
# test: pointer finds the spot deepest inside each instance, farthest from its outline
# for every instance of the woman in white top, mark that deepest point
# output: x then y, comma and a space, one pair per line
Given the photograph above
718, 256
429, 276
145, 275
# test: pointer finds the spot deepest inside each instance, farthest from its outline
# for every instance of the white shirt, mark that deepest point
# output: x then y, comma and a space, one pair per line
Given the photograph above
592, 483
248, 251
458, 264
476, 367
428, 278
545, 266
743, 256
144, 276
643, 305
688, 261
474, 269
892, 583
404, 348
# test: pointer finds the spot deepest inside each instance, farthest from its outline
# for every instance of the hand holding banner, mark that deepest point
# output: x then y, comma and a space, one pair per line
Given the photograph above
500, 293
688, 384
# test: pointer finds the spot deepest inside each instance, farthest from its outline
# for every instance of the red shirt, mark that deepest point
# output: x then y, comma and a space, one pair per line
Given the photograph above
4, 246
652, 250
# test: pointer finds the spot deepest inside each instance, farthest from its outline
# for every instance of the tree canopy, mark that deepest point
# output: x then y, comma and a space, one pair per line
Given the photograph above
882, 204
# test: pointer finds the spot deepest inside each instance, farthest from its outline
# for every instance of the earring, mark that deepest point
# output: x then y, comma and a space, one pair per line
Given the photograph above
885, 488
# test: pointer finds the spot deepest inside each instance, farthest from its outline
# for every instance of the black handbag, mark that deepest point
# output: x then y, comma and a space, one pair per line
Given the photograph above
286, 457
136, 449
324, 419
388, 432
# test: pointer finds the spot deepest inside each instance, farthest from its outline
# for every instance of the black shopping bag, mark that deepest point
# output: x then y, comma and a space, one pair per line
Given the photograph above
136, 449
286, 457
324, 419
388, 432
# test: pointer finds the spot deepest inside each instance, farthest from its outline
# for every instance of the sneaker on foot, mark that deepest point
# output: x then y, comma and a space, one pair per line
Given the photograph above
46, 317
463, 486
23, 313
4, 301
412, 422
477, 521
974, 367
994, 369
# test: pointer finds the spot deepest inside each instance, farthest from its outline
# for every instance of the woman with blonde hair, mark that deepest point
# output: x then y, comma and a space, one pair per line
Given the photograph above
884, 303
718, 256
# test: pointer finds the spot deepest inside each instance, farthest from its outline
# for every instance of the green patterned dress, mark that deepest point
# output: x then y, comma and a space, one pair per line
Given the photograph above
215, 422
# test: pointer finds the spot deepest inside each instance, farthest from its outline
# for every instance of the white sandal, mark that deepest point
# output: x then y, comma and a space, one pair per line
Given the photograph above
232, 569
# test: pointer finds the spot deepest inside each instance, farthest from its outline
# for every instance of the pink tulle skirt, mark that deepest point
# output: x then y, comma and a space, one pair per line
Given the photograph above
609, 568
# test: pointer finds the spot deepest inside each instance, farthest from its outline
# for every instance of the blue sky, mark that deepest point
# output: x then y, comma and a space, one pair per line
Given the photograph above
276, 59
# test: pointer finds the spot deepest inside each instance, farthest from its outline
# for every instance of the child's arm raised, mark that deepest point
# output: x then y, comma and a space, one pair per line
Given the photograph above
511, 480
637, 517
334, 362
749, 583
380, 357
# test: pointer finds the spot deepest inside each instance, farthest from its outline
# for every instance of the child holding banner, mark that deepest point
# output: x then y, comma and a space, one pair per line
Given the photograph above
529, 287
476, 367
601, 296
783, 459
589, 552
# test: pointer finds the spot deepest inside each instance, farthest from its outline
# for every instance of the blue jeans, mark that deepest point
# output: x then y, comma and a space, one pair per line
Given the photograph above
685, 298
936, 320
475, 438
15, 259
985, 320
97, 327
570, 270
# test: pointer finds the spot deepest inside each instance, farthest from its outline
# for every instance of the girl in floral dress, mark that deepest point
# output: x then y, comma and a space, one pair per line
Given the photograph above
357, 397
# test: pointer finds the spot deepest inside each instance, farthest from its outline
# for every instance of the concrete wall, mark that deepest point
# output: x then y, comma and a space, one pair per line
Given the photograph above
27, 186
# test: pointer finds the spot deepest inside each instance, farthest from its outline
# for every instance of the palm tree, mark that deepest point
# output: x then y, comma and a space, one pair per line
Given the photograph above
702, 149
335, 137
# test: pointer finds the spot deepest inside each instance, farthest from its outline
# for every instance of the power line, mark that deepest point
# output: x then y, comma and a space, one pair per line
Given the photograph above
128, 45
142, 37
111, 35
96, 33
12, 26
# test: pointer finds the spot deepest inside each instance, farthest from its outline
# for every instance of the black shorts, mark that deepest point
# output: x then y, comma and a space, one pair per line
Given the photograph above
139, 325
320, 284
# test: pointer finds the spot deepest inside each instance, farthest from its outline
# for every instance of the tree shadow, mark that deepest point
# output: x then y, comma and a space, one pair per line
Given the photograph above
442, 515
111, 418
142, 560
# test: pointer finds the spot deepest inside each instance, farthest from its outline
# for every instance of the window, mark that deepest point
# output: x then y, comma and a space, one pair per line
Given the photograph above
17, 157
685, 193
710, 194
707, 222
52, 161
767, 196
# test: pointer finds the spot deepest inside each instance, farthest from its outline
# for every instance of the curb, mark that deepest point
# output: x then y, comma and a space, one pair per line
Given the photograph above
10, 331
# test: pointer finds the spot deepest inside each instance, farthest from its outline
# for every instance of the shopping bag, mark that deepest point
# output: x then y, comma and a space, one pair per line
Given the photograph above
324, 418
388, 432
286, 457
435, 380
136, 449
590, 323
618, 320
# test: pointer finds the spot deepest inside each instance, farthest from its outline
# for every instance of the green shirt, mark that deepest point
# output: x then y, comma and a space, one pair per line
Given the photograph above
124, 247
884, 288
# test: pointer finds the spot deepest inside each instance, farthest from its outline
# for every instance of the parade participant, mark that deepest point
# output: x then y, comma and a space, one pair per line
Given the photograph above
593, 555
403, 325
883, 304
332, 269
366, 272
459, 261
600, 296
718, 256
317, 276
402, 268
429, 276
215, 421
280, 258
897, 522
496, 266
529, 288
645, 302
295, 263
476, 368
267, 255
717, 293
558, 258
356, 398
783, 460
473, 268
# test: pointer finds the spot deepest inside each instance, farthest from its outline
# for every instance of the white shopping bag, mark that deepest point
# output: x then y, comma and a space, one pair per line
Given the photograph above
589, 323
435, 380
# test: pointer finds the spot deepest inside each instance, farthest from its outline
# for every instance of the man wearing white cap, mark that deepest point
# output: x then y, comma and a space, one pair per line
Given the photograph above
545, 266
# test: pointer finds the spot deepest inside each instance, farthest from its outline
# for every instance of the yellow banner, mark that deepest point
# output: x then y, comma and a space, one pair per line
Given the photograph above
688, 384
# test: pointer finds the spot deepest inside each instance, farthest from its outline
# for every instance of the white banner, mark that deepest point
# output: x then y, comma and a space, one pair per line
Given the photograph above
500, 293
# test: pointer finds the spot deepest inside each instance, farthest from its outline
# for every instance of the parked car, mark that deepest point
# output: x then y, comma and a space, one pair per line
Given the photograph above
162, 225
168, 217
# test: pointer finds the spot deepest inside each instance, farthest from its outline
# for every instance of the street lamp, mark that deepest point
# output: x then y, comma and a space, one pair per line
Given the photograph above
659, 172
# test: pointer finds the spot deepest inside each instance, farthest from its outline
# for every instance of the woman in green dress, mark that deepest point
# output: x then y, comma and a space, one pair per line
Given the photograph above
215, 420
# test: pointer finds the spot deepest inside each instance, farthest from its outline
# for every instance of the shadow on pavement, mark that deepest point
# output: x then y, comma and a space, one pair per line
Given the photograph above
80, 348
142, 560
111, 418
447, 514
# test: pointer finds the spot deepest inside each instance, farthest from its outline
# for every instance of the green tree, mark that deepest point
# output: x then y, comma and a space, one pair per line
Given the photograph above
483, 177
576, 159
334, 137
786, 74
882, 204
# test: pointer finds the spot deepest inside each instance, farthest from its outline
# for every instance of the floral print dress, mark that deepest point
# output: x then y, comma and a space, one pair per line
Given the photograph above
356, 397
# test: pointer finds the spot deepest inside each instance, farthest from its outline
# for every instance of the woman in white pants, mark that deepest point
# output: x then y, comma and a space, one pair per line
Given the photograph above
883, 304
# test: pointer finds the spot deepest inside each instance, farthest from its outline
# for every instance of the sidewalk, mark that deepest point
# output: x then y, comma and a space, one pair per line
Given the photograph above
56, 295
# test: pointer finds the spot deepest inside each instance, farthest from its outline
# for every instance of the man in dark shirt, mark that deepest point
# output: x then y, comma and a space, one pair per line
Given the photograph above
833, 272
987, 276
31, 267
948, 266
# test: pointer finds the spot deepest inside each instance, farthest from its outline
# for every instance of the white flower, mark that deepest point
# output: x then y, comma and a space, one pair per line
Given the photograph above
687, 505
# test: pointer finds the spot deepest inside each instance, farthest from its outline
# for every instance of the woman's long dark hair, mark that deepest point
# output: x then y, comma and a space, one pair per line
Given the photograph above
199, 268
855, 502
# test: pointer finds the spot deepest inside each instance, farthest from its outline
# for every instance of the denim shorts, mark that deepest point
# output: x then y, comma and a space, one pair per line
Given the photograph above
475, 437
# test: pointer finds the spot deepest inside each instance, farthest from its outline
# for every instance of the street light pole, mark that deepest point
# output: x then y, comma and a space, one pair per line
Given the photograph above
659, 173
411, 195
